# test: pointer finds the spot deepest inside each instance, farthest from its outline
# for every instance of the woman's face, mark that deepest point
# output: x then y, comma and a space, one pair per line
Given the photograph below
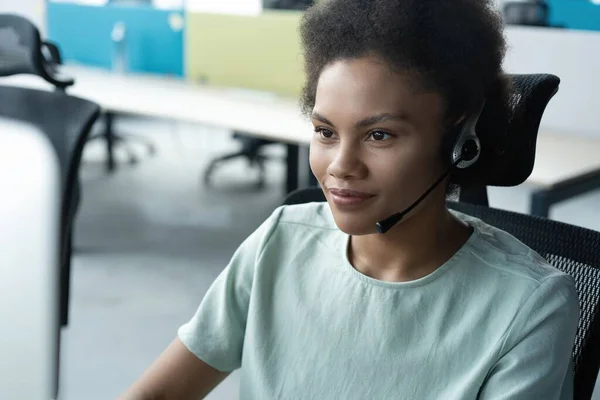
376, 146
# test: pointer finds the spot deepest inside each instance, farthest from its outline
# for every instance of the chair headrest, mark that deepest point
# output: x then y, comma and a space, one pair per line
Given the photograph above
509, 142
21, 51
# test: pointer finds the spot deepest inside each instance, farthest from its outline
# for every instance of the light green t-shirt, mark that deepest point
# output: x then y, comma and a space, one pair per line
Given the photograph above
494, 322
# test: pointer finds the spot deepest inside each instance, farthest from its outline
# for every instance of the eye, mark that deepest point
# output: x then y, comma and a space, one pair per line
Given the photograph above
379, 136
324, 133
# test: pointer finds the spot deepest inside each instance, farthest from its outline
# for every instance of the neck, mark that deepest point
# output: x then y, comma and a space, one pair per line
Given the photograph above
412, 249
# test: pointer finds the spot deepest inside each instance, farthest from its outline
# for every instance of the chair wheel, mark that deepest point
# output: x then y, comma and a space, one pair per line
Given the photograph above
133, 160
151, 150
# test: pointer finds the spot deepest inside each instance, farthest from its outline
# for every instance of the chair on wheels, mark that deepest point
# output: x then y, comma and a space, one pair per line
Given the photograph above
124, 140
571, 249
66, 120
251, 150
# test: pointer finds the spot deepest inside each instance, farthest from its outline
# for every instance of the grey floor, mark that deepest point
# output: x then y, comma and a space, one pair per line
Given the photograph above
151, 238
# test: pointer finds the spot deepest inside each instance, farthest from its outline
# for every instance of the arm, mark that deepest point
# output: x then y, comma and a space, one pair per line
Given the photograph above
210, 345
176, 375
535, 362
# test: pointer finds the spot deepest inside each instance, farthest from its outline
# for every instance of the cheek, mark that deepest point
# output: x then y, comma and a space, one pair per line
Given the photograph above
318, 159
393, 165
401, 173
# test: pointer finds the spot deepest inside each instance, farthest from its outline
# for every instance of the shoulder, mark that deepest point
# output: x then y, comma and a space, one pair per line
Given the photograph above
295, 224
314, 215
500, 251
527, 293
515, 267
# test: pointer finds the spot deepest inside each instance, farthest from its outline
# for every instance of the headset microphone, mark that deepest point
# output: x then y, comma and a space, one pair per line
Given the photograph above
464, 153
386, 224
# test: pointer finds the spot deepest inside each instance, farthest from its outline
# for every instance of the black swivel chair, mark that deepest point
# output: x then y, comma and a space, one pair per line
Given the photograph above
66, 120
251, 150
571, 249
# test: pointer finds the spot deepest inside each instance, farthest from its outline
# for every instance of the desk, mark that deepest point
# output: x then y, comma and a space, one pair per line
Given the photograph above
262, 115
566, 164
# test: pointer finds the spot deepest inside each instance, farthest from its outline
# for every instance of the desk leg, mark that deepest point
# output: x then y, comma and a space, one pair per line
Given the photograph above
293, 156
542, 200
110, 141
540, 204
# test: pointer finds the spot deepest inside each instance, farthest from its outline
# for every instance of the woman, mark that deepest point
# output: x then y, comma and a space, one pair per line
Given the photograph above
316, 304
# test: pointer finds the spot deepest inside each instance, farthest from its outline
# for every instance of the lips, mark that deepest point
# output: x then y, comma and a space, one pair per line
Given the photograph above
350, 193
349, 198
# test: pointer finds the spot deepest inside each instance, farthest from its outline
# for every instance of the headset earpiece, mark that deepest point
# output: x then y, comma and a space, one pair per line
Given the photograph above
467, 147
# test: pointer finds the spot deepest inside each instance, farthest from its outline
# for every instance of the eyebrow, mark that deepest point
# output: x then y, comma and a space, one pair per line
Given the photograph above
375, 119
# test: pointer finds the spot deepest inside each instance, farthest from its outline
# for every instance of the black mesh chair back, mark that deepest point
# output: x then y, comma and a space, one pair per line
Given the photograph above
23, 52
571, 249
508, 147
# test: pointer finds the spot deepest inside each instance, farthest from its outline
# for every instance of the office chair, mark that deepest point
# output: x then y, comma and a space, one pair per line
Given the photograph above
571, 249
66, 120
114, 138
251, 150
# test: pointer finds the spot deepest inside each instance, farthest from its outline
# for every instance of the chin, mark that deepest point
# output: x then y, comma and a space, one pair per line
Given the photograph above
354, 224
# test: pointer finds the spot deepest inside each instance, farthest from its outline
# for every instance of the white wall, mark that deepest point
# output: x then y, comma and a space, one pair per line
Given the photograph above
241, 7
574, 57
34, 10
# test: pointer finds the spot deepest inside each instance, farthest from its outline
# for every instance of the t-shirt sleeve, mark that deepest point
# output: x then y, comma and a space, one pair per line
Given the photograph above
536, 358
215, 334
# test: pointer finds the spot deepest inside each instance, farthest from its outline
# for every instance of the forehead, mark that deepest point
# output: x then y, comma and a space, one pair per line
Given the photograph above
367, 86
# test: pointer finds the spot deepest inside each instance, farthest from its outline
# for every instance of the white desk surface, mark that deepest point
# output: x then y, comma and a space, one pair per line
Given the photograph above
559, 156
261, 114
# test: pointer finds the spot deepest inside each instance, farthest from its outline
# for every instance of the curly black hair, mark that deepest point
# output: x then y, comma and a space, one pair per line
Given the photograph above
452, 47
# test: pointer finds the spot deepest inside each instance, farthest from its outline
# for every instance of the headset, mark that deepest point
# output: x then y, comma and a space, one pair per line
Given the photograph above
462, 143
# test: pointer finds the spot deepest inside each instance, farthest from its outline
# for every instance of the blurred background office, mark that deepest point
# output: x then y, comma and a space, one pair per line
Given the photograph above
198, 138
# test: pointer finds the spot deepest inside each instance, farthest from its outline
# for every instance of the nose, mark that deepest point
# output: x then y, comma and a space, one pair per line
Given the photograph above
346, 163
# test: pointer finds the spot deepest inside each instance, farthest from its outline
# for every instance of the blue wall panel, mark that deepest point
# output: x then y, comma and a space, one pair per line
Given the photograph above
575, 14
153, 43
